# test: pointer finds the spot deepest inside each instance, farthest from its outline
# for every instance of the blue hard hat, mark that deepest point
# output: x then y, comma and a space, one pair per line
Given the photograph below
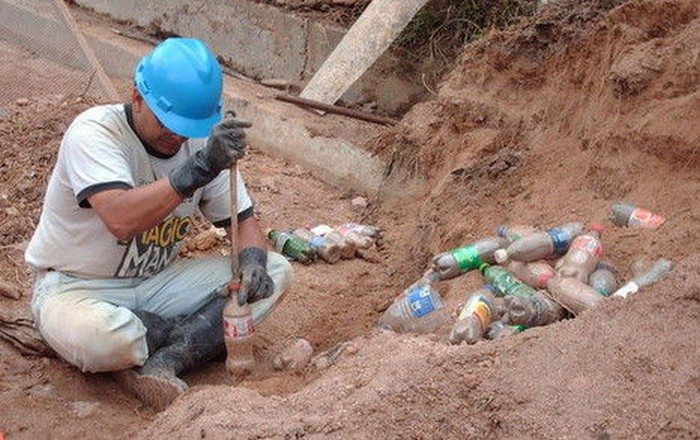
181, 82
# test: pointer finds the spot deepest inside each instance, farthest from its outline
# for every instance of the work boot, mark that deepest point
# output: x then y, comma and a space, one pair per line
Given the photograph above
157, 329
158, 391
196, 340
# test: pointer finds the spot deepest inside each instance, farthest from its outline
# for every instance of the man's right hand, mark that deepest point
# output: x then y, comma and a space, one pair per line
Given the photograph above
225, 145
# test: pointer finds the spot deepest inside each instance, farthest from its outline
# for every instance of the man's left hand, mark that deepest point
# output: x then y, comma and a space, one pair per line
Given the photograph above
256, 284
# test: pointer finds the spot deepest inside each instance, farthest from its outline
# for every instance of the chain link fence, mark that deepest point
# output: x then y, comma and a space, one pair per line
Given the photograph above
43, 53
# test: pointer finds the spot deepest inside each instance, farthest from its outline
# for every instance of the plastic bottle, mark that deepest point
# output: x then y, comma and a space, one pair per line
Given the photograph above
291, 246
326, 249
533, 274
476, 315
426, 279
360, 241
366, 230
627, 214
504, 282
420, 310
460, 260
499, 330
582, 257
515, 232
347, 247
533, 311
238, 337
603, 279
658, 271
540, 245
573, 294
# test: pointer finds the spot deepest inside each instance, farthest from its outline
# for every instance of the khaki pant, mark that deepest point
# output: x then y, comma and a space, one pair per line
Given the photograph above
89, 321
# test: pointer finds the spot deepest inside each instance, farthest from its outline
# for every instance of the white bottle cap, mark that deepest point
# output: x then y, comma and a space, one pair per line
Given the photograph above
628, 289
501, 256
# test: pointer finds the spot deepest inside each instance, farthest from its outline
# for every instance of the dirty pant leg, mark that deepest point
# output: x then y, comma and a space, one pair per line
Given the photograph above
187, 285
88, 322
282, 274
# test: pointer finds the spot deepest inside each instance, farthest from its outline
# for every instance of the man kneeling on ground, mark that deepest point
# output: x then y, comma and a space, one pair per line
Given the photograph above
109, 293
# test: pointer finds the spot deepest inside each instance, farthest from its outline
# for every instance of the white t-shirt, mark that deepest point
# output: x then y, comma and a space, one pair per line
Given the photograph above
101, 151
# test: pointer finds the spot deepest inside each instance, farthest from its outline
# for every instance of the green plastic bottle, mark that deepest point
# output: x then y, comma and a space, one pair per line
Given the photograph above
291, 246
470, 257
504, 282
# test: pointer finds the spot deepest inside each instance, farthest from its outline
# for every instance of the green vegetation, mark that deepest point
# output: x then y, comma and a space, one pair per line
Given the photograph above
440, 30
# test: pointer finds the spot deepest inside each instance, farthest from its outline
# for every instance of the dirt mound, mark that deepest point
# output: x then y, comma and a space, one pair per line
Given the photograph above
555, 381
548, 122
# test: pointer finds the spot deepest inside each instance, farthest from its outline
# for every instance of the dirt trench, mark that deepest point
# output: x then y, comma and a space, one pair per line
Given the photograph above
546, 122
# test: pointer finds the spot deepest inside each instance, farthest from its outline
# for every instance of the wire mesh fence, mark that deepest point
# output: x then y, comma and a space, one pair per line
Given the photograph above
43, 53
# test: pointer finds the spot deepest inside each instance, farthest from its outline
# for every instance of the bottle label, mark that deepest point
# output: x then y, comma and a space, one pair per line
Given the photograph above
467, 258
543, 279
479, 307
644, 218
421, 301
588, 244
344, 229
317, 242
238, 328
560, 239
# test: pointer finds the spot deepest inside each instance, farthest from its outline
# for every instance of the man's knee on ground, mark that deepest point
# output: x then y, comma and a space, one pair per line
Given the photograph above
94, 338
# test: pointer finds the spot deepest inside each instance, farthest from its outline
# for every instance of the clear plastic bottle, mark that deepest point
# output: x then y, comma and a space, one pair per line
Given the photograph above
460, 260
583, 254
515, 232
504, 282
500, 330
533, 311
360, 241
347, 247
603, 278
657, 271
238, 337
627, 214
326, 249
366, 230
540, 245
420, 310
476, 315
291, 246
533, 274
573, 294
426, 279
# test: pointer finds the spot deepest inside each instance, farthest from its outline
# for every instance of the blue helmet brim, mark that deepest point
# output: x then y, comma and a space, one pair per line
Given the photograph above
186, 127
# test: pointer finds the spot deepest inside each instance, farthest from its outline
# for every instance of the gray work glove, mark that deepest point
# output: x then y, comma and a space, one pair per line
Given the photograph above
256, 284
225, 145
